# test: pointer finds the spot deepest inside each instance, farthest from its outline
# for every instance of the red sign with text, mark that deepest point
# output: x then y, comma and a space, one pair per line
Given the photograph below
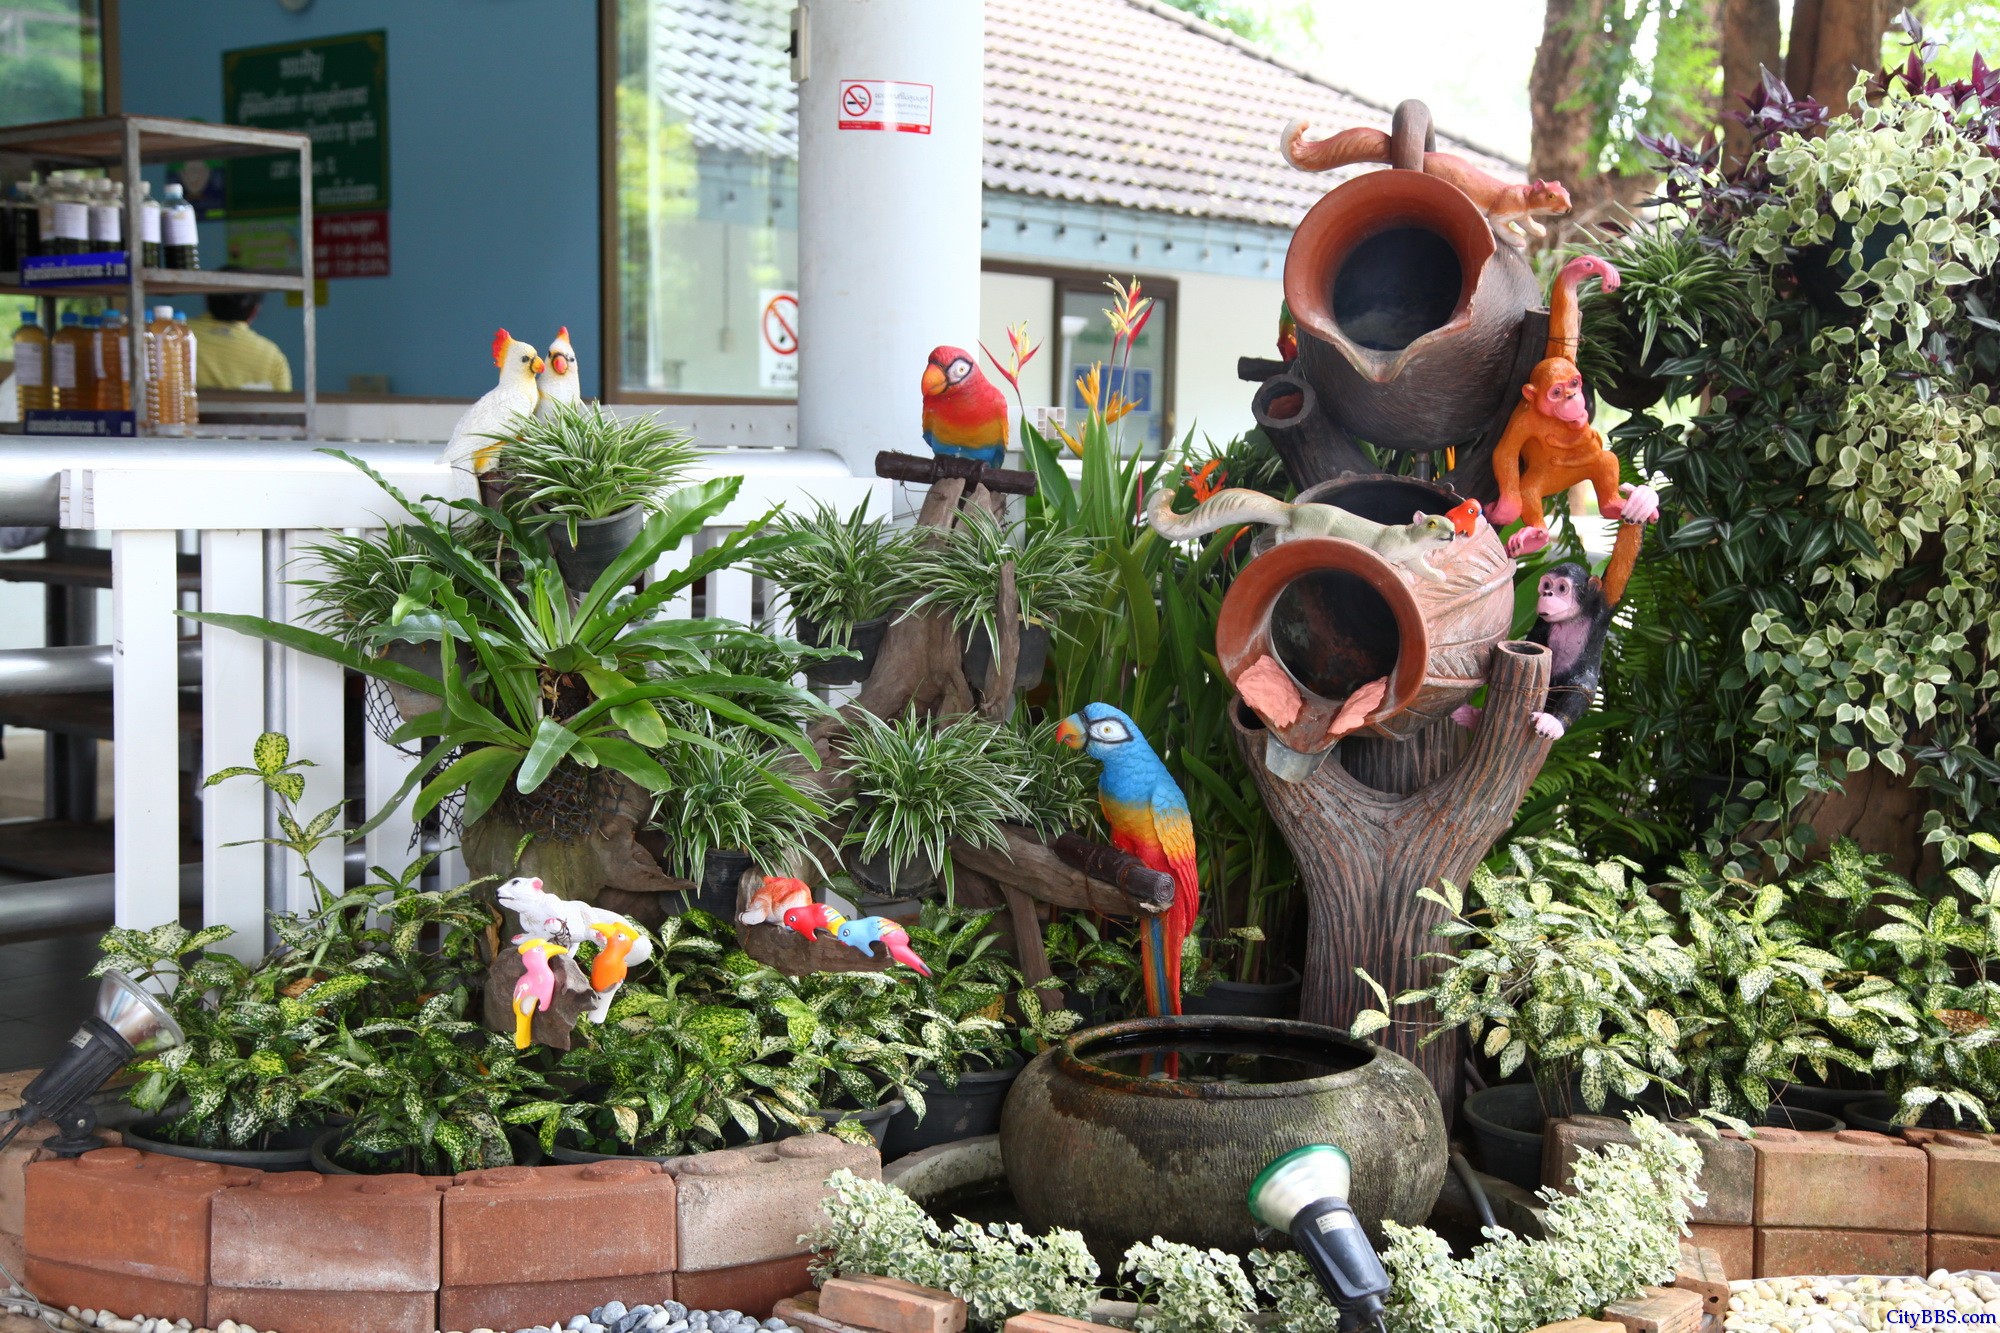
351, 245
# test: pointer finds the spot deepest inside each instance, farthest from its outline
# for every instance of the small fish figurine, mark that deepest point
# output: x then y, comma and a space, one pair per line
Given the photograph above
813, 918
1464, 517
536, 990
864, 933
778, 895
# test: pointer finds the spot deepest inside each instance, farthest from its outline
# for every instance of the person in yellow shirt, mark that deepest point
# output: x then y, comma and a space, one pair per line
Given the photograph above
232, 355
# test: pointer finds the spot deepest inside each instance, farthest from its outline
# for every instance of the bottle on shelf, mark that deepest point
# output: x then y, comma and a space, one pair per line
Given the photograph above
17, 213
68, 216
163, 374
107, 216
190, 401
31, 366
149, 226
75, 387
182, 241
111, 353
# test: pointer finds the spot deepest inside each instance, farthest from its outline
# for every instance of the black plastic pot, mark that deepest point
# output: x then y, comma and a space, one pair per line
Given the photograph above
289, 1151
1506, 1123
1780, 1116
527, 1152
1029, 668
721, 872
950, 1114
875, 1119
1248, 999
577, 1156
866, 639
912, 879
1832, 1101
599, 541
1879, 1114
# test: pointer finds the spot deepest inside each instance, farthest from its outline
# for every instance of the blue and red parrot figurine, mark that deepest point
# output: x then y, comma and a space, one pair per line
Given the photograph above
965, 416
1148, 814
864, 933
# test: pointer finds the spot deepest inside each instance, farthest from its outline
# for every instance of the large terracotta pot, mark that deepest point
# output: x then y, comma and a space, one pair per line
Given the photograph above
1094, 1143
1409, 310
1335, 616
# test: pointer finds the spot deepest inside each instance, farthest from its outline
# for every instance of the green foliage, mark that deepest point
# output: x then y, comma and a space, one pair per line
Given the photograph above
959, 573
836, 571
357, 580
1184, 1289
723, 795
582, 462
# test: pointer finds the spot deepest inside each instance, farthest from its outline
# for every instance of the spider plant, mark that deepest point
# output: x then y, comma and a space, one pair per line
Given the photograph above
579, 682
724, 796
1676, 294
959, 574
835, 571
581, 462
917, 786
358, 580
1061, 783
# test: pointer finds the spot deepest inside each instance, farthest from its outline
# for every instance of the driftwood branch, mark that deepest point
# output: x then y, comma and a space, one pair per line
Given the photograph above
795, 955
1034, 868
894, 466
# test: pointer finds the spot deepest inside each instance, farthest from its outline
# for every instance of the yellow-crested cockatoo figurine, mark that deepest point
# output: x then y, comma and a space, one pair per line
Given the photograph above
561, 385
621, 944
473, 443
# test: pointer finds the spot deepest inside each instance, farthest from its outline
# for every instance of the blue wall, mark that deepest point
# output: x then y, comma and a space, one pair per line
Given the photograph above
493, 216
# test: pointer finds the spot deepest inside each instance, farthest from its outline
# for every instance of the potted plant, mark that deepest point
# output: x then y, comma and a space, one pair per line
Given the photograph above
915, 787
590, 478
724, 812
851, 1049
961, 573
838, 576
1096, 969
1212, 992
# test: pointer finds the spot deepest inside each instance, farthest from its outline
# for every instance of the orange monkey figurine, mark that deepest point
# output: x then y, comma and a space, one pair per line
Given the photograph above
1550, 444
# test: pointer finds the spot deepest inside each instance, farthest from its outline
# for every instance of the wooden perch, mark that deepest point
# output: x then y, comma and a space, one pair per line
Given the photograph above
1030, 865
895, 466
1257, 369
1381, 819
795, 955
1132, 876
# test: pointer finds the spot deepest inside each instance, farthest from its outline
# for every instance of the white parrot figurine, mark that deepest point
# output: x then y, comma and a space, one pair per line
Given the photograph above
621, 944
471, 444
561, 385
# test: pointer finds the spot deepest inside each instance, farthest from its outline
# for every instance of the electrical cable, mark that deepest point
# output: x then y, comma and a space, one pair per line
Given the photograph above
1470, 1179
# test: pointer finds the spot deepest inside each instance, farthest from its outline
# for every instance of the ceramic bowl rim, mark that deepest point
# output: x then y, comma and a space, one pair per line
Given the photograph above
1066, 1057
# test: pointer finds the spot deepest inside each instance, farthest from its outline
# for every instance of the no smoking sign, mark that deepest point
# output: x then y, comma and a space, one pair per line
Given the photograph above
883, 104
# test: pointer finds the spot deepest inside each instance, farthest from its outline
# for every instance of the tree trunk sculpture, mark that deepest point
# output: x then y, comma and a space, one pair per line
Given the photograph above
1380, 820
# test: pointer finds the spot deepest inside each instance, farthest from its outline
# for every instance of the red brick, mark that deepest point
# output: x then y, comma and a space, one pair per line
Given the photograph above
520, 1304
751, 1288
748, 1205
1582, 1326
326, 1311
119, 1210
1657, 1310
1728, 1166
1735, 1246
1961, 1252
1850, 1178
891, 1306
14, 1159
1791, 1251
1701, 1272
304, 1232
1055, 1323
61, 1284
515, 1225
801, 1311
1965, 1183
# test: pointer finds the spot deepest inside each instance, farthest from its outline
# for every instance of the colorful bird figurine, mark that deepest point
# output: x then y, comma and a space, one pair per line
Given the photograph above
560, 385
965, 416
1288, 333
1148, 815
813, 918
865, 932
536, 990
569, 923
1464, 517
778, 895
475, 441
624, 945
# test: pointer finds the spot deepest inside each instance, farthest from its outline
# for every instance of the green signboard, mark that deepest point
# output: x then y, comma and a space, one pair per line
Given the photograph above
334, 88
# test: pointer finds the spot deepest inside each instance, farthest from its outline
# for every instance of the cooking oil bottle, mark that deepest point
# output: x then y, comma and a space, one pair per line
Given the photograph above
111, 352
184, 335
31, 365
75, 384
164, 373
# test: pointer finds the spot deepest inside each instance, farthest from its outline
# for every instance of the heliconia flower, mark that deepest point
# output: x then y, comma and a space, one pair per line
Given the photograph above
1118, 409
1075, 445
1207, 481
1011, 376
1087, 384
1017, 340
1129, 313
1139, 318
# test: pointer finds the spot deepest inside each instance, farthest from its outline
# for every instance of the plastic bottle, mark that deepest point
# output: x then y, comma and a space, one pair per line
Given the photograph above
182, 242
111, 351
190, 401
163, 374
149, 226
107, 220
68, 217
31, 365
75, 386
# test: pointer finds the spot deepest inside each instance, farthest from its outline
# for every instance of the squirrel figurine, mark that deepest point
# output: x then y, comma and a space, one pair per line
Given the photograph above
1510, 208
1404, 544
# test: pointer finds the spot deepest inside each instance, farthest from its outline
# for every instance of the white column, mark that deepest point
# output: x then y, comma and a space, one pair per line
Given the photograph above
888, 218
145, 724
232, 714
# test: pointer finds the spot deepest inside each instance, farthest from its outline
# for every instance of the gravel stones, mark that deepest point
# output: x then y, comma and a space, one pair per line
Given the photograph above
1863, 1304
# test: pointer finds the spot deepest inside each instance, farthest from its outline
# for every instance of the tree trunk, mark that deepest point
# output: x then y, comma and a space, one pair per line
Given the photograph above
1380, 820
1559, 140
1749, 47
1831, 41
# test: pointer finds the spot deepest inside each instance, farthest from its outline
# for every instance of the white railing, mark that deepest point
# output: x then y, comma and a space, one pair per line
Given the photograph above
252, 519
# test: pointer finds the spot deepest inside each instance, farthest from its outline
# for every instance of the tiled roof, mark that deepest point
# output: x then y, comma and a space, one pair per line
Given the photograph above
1134, 104
1127, 103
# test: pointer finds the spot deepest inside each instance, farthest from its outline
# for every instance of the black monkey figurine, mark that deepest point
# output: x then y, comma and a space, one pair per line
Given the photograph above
1572, 615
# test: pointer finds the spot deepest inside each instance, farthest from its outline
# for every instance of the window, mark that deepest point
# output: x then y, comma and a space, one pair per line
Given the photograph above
704, 198
51, 60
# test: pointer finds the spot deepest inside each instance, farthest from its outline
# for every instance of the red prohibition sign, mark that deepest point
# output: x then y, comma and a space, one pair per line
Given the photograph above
781, 315
854, 99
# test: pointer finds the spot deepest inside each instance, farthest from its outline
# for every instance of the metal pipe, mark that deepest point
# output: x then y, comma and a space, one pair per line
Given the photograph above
50, 906
74, 670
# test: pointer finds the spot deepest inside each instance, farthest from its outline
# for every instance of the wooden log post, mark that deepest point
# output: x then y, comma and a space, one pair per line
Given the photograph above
1382, 819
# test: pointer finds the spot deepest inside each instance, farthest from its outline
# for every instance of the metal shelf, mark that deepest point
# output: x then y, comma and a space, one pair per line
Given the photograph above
127, 142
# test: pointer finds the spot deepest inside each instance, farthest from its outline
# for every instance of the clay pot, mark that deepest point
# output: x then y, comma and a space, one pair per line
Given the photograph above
1093, 1142
1409, 310
1334, 616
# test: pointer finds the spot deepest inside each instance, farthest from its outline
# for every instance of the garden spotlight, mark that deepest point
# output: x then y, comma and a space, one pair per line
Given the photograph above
1304, 1193
128, 1023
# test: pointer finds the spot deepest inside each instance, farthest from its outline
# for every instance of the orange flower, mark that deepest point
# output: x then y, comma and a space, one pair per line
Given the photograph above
1207, 481
1128, 314
1021, 351
1075, 445
1118, 409
1088, 385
